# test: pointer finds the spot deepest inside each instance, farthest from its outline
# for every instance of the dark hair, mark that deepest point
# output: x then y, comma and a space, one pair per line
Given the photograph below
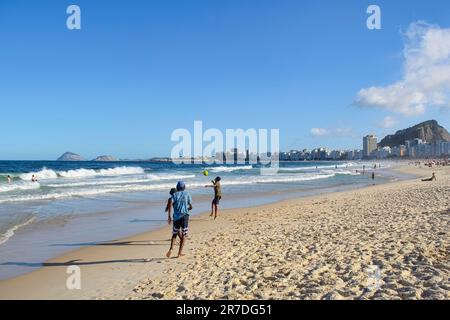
173, 191
181, 186
217, 179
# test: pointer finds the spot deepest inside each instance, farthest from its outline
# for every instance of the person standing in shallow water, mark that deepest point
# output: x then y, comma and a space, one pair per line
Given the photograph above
9, 179
182, 204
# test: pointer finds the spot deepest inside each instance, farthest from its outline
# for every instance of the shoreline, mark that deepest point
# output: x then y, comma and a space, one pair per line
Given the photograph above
61, 234
111, 270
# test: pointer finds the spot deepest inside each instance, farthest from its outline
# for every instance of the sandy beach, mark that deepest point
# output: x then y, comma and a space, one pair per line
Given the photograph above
390, 241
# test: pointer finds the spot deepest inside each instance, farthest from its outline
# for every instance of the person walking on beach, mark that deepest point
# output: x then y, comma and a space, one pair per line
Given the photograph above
182, 204
217, 196
9, 179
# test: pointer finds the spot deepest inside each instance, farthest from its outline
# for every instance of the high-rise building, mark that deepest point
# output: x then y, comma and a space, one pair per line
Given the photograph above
369, 145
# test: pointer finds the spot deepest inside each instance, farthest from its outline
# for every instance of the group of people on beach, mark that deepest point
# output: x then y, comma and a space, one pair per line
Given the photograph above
180, 202
432, 163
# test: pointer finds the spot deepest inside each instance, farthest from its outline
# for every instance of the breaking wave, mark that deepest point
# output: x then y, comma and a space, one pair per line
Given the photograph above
46, 174
230, 169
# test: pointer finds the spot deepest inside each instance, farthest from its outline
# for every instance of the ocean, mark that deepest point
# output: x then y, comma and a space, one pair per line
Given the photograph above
80, 203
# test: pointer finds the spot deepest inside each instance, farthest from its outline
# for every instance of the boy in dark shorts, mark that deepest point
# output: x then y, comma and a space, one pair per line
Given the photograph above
182, 204
217, 196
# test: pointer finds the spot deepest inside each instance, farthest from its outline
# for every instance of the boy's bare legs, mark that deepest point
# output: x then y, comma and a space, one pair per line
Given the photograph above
180, 251
216, 209
172, 241
212, 209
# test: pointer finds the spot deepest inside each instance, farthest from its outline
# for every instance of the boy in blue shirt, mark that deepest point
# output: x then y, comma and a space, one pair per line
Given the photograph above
182, 204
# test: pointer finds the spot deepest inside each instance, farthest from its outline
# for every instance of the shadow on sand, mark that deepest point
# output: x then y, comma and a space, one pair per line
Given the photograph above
78, 262
114, 243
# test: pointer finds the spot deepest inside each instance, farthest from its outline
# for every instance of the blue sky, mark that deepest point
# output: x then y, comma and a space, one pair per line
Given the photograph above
138, 70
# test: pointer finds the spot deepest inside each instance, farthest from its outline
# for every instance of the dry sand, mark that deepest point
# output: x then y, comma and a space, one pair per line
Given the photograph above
387, 241
384, 242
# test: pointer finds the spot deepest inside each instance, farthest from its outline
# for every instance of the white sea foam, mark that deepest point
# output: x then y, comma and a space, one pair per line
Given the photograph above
46, 174
118, 171
230, 169
43, 174
343, 172
10, 232
149, 178
350, 173
132, 186
156, 177
19, 186
319, 167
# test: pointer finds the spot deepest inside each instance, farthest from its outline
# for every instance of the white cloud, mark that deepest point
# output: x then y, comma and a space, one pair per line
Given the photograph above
322, 132
343, 131
426, 78
319, 132
388, 122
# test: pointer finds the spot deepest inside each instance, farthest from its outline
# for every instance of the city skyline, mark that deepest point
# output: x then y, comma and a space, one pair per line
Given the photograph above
415, 146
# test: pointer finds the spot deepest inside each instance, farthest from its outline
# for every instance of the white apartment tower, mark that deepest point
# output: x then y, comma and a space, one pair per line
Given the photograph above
369, 145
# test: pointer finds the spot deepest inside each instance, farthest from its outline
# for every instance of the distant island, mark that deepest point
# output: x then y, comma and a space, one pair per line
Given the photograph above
106, 159
70, 156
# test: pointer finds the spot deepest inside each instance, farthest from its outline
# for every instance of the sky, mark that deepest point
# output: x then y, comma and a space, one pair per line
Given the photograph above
138, 70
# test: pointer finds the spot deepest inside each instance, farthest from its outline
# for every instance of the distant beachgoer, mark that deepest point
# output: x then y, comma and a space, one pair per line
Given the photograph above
335, 166
373, 175
9, 179
433, 177
33, 178
182, 204
169, 205
217, 196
